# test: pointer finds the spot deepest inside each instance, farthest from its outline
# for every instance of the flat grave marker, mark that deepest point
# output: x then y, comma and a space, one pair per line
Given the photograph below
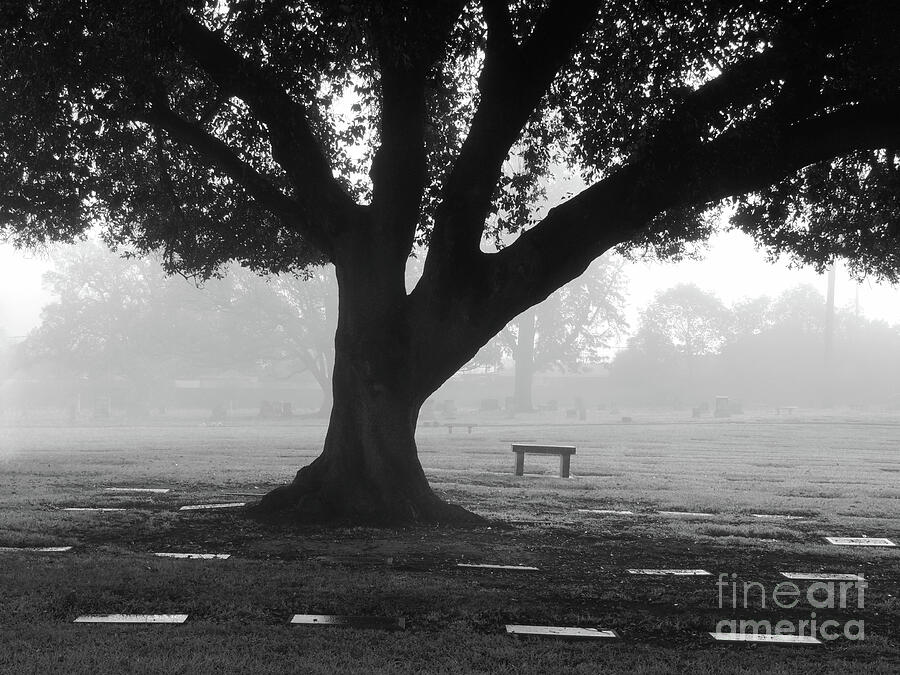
382, 622
195, 556
571, 632
607, 512
822, 576
489, 566
35, 549
777, 516
132, 618
93, 508
859, 541
765, 637
694, 514
135, 489
200, 507
672, 572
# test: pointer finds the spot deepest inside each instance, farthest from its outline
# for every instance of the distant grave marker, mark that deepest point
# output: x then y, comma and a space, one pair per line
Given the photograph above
497, 567
695, 514
570, 632
382, 622
35, 549
200, 507
607, 512
195, 556
93, 508
822, 576
132, 618
134, 489
779, 516
672, 572
764, 637
859, 541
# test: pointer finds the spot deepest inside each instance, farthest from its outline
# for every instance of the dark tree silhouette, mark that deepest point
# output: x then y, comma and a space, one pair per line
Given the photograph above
213, 131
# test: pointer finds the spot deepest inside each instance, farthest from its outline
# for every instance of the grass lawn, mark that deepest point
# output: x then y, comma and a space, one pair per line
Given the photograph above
840, 473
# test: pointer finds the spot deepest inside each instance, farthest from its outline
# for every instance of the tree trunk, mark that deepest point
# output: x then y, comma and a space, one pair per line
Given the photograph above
525, 361
369, 469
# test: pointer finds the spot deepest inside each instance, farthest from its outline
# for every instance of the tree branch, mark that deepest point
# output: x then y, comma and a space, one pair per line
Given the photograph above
748, 158
294, 145
220, 155
512, 83
408, 42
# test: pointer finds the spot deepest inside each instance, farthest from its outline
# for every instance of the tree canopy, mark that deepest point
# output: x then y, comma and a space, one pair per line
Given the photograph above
258, 131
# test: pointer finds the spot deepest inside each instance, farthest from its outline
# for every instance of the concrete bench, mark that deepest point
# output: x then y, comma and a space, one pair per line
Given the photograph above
564, 452
789, 409
460, 424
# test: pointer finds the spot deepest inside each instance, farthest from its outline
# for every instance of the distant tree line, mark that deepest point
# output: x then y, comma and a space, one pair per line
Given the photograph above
121, 323
690, 346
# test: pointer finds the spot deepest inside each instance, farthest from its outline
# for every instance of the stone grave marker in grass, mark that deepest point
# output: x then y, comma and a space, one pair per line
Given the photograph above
490, 566
822, 576
34, 549
383, 622
132, 618
195, 556
200, 507
93, 508
859, 541
672, 572
777, 516
136, 489
604, 512
567, 632
691, 514
766, 638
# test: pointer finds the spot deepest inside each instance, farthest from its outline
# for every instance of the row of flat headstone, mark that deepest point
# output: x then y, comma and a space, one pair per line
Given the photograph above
390, 623
188, 507
149, 490
694, 514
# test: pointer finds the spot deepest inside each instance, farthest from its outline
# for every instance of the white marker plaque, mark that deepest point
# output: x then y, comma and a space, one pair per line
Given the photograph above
195, 556
859, 541
607, 512
496, 567
822, 576
697, 514
92, 508
765, 637
132, 618
160, 491
677, 573
198, 507
35, 549
560, 631
778, 516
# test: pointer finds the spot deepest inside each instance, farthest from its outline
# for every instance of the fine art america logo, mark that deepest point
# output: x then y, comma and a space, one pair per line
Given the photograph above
839, 592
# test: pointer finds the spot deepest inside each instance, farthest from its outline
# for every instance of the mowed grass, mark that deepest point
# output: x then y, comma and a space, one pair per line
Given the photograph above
840, 472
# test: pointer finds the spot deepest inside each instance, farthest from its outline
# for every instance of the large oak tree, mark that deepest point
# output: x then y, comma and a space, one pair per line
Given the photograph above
215, 131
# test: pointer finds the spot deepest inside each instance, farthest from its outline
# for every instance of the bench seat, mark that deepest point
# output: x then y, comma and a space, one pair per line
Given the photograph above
564, 452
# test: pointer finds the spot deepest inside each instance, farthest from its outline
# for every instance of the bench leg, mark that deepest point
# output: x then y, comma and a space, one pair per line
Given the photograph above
449, 428
520, 463
564, 465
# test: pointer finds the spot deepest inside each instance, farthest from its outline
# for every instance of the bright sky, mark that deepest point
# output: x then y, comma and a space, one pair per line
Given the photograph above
732, 269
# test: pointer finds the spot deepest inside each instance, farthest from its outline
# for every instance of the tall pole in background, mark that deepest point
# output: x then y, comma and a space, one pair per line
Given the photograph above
829, 338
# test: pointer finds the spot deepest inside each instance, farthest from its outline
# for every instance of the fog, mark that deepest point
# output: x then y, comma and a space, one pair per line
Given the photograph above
87, 334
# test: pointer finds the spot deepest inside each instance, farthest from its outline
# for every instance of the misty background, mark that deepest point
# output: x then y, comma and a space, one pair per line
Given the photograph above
86, 334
